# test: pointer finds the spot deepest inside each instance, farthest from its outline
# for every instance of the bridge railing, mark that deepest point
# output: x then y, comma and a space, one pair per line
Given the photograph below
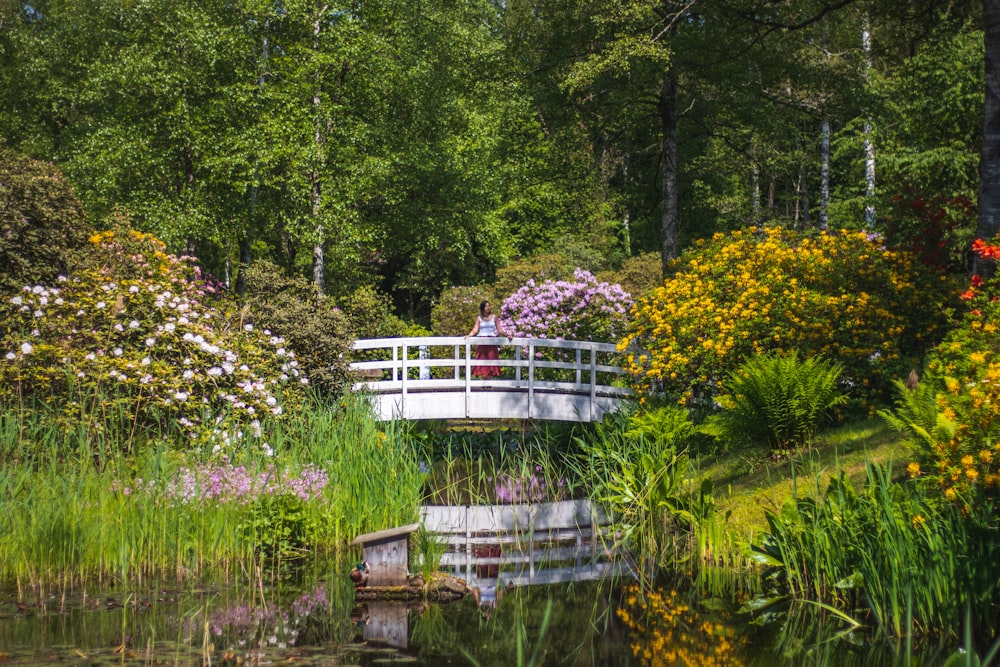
405, 366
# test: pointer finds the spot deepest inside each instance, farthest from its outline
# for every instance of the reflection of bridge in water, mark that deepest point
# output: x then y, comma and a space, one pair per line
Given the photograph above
500, 546
497, 547
431, 378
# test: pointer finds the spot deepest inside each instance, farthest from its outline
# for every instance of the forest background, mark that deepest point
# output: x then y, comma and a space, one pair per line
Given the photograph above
414, 146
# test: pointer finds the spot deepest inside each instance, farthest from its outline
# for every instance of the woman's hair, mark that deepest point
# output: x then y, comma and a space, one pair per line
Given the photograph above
482, 306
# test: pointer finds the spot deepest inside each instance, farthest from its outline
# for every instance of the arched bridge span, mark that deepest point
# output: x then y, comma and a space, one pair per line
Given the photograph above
431, 378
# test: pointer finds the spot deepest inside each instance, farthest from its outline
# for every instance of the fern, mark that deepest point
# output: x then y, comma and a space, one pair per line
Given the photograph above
777, 400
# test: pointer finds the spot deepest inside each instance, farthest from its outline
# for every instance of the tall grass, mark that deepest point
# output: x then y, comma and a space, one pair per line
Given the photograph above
912, 563
78, 507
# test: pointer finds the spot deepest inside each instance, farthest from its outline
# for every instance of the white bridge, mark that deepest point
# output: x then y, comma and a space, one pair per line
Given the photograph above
431, 378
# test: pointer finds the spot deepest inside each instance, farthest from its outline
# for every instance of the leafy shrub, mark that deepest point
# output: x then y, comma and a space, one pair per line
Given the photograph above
777, 400
279, 526
43, 227
292, 307
836, 294
638, 275
541, 267
581, 309
457, 308
137, 333
369, 312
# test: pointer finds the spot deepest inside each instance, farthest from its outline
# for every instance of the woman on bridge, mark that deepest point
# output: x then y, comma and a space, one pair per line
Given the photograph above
486, 325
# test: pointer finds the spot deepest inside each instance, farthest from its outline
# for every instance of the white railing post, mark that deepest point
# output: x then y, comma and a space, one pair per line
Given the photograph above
517, 357
395, 362
578, 365
593, 382
405, 373
458, 371
468, 377
531, 379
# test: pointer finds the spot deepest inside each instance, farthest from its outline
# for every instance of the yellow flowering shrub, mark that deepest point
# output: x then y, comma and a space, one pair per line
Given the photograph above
842, 295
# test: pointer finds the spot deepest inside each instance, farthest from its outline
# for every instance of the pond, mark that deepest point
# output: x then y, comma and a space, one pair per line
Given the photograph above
312, 620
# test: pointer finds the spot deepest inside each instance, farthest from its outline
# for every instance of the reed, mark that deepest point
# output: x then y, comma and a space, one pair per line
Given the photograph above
79, 507
891, 550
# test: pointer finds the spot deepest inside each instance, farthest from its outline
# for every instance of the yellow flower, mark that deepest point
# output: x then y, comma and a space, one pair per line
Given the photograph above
913, 469
918, 521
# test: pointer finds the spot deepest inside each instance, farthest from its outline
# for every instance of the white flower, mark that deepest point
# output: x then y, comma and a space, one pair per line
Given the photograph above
181, 396
134, 289
150, 342
43, 300
10, 356
117, 352
169, 326
26, 348
119, 327
59, 301
38, 313
248, 327
17, 301
90, 356
228, 367
182, 320
215, 371
267, 449
146, 361
134, 324
187, 375
101, 305
280, 352
62, 279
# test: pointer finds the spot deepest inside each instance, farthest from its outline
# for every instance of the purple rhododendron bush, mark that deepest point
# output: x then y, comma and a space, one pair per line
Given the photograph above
141, 335
581, 309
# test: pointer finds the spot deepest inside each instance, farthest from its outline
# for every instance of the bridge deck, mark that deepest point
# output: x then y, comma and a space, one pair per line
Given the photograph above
431, 378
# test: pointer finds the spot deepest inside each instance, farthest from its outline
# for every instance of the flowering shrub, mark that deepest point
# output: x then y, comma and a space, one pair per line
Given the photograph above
965, 370
137, 333
581, 309
841, 295
227, 483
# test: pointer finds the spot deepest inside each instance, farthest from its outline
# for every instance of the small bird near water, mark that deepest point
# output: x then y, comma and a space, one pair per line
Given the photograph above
359, 575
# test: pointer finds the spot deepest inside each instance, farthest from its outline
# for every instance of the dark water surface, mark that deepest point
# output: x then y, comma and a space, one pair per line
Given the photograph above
591, 623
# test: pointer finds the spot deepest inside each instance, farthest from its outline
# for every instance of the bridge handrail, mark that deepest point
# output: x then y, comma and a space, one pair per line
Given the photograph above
443, 341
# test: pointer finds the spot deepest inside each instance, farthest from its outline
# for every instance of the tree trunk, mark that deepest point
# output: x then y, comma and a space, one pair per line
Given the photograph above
989, 160
319, 139
241, 271
670, 214
866, 47
824, 177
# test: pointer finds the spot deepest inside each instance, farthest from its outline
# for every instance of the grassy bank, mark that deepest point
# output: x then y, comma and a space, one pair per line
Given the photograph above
74, 515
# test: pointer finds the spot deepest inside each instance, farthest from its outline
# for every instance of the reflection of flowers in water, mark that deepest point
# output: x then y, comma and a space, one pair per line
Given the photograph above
665, 630
511, 489
250, 626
